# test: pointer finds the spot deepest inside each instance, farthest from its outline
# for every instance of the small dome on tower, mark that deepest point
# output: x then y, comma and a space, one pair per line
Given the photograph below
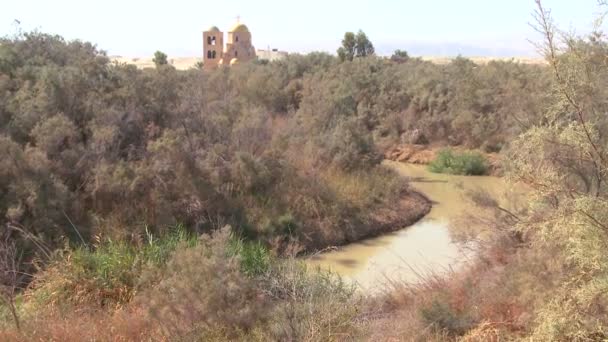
234, 61
239, 27
213, 29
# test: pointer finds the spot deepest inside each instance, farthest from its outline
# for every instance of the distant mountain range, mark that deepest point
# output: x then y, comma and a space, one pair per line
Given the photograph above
455, 49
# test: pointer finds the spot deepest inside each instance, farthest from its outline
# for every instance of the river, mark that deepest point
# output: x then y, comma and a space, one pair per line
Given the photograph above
423, 248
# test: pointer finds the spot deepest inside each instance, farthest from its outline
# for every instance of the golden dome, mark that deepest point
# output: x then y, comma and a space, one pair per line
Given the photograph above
213, 29
239, 27
234, 61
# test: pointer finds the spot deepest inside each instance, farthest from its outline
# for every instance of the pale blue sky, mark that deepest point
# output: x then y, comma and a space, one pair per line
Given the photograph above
439, 27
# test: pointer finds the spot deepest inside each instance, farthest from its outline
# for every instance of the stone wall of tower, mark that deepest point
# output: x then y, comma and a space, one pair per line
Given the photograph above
239, 50
239, 46
213, 48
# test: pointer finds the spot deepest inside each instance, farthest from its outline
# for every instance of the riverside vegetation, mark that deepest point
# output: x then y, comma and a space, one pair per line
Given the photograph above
466, 163
160, 204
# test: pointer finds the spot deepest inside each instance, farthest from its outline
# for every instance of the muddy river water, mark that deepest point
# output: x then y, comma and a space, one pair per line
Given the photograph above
423, 248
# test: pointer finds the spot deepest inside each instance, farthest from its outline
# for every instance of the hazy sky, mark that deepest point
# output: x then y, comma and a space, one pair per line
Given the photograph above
439, 27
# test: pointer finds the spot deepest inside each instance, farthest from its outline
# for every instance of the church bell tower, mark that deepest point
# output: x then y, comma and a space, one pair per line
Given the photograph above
213, 47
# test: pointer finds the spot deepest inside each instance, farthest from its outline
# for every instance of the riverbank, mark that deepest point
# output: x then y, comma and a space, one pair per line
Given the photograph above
425, 154
421, 248
411, 207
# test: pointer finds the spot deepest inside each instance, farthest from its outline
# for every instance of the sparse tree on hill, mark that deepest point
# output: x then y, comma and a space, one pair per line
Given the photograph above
355, 46
160, 58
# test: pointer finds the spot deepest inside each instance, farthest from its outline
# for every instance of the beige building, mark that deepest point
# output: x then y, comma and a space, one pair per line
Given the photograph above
238, 47
271, 54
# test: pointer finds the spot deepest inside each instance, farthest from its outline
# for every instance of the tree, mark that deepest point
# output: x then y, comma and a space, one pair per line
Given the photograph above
355, 46
347, 51
564, 160
160, 58
364, 45
400, 56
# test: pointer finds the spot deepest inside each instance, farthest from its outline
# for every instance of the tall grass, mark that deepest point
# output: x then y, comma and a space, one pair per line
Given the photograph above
254, 258
215, 287
105, 275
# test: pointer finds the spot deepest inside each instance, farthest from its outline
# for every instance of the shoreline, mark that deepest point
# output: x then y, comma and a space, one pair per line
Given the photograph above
387, 220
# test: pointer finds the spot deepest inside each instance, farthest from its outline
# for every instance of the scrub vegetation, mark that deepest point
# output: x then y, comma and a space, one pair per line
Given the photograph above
465, 163
160, 204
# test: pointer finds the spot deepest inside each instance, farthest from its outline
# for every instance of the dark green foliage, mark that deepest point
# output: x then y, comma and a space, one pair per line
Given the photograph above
160, 58
463, 163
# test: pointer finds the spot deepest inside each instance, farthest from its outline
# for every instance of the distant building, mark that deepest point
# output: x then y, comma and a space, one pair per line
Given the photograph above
238, 48
271, 55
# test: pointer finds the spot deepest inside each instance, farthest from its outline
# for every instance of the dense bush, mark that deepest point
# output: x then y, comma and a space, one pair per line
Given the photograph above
459, 163
104, 150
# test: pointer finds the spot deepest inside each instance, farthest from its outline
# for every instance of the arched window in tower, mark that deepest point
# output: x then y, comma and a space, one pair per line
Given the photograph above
213, 40
213, 55
209, 54
236, 53
208, 40
236, 38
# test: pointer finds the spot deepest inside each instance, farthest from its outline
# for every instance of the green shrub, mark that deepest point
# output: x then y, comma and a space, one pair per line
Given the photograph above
465, 163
